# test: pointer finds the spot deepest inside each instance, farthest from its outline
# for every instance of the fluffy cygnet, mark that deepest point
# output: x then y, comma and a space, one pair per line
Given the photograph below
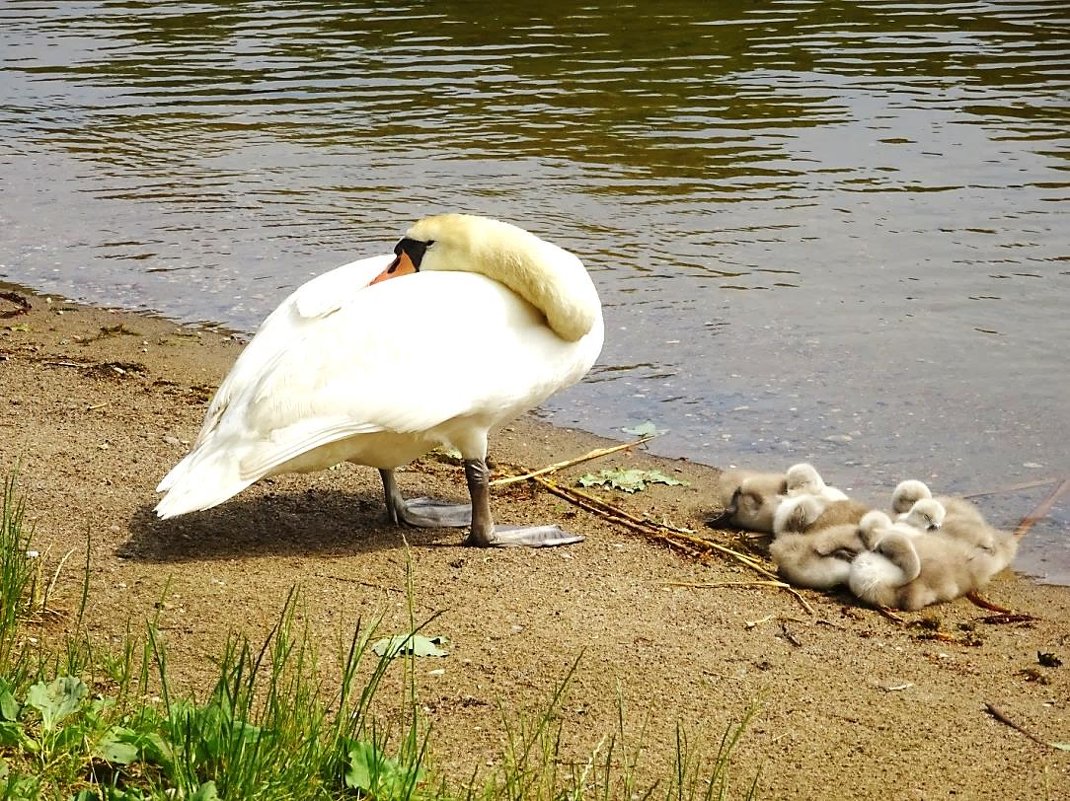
909, 492
909, 572
796, 513
962, 521
926, 514
753, 501
804, 478
820, 560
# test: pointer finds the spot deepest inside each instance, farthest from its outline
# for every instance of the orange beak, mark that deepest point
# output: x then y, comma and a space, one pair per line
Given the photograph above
402, 265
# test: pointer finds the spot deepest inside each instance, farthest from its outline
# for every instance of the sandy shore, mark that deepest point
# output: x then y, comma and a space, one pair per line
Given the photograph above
96, 405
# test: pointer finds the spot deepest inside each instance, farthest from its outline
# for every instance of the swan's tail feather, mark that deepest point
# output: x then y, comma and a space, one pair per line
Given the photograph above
200, 481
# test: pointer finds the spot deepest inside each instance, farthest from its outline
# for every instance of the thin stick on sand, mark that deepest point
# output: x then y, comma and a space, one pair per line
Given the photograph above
1001, 716
677, 538
597, 453
1012, 488
1042, 509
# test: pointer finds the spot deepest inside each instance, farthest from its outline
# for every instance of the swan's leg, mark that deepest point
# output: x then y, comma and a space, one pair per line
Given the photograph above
486, 535
422, 512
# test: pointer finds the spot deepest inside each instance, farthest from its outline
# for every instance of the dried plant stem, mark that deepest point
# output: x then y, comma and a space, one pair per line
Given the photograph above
597, 453
713, 585
1001, 716
55, 578
1012, 488
1042, 508
677, 538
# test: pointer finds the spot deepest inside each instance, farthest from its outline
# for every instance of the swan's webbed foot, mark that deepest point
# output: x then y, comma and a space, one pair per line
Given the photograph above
523, 537
428, 513
422, 512
485, 534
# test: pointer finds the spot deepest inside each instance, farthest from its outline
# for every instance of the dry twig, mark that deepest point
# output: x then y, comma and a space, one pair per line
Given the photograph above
679, 539
597, 453
1001, 716
1042, 508
1012, 488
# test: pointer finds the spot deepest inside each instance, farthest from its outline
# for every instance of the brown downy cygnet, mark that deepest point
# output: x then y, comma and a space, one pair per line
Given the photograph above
838, 513
796, 513
809, 513
998, 547
926, 514
909, 572
962, 521
820, 560
804, 478
909, 492
753, 501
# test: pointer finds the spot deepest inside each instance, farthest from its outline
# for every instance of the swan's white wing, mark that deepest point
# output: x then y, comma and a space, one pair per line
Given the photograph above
288, 323
406, 356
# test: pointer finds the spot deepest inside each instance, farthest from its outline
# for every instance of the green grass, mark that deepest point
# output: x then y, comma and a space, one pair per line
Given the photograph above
270, 728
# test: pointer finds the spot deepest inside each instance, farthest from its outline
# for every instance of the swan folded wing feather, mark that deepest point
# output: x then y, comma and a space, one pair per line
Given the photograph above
289, 323
314, 393
288, 443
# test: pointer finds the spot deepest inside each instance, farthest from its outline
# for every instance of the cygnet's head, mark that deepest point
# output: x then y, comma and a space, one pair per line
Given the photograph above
804, 478
796, 513
924, 515
872, 527
907, 493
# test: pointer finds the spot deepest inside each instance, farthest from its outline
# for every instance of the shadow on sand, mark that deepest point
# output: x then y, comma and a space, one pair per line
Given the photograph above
313, 522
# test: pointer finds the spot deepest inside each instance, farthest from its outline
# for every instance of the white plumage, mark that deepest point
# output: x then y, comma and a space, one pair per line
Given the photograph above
378, 372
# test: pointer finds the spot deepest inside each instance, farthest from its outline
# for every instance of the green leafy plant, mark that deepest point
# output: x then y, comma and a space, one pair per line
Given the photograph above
17, 571
270, 729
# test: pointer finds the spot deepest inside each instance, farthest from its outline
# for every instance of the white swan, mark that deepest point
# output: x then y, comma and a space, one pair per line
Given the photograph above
478, 322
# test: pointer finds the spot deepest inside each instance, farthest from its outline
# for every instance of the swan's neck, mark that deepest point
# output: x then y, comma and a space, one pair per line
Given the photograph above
548, 277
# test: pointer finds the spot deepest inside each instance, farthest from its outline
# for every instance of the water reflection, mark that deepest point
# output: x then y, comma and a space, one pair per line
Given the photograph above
823, 230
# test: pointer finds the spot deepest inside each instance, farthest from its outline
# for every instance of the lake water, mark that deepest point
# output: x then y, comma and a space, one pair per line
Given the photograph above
833, 231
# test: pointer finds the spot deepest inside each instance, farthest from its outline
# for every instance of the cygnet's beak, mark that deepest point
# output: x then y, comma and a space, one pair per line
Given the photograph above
934, 527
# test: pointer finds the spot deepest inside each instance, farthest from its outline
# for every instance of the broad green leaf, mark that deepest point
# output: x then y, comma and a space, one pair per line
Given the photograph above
57, 699
417, 645
116, 746
153, 749
363, 764
626, 480
12, 734
206, 792
644, 429
9, 707
374, 773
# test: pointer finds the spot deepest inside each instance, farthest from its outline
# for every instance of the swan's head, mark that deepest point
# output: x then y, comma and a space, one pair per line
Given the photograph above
803, 477
547, 276
907, 493
924, 515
